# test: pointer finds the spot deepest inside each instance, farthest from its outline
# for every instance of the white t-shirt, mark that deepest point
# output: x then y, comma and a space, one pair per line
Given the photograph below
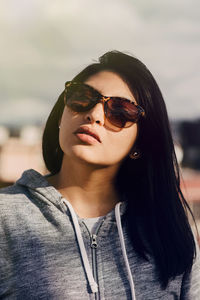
92, 223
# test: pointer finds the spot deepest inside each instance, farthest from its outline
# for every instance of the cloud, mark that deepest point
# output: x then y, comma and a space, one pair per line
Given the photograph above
45, 43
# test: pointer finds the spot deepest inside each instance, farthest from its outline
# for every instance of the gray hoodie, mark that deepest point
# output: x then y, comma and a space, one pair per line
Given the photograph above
47, 252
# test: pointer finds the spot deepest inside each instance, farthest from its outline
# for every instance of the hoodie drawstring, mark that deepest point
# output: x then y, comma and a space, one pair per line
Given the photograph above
121, 237
92, 283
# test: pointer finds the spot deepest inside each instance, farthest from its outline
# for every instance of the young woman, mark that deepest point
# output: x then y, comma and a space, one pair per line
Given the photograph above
109, 221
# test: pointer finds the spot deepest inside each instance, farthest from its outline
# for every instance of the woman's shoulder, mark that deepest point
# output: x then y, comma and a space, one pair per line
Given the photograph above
12, 199
19, 191
11, 192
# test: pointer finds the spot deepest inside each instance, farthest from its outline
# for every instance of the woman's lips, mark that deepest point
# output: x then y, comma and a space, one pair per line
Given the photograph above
87, 134
87, 138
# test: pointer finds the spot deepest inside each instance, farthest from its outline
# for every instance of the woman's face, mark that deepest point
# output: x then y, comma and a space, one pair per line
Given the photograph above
114, 145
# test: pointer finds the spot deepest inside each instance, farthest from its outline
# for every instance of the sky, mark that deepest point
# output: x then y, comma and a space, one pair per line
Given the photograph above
45, 43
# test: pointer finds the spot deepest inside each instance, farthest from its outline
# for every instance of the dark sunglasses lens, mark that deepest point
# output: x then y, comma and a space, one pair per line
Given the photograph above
121, 113
79, 97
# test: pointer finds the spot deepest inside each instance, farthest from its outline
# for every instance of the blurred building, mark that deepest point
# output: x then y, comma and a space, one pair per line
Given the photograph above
19, 151
189, 138
190, 183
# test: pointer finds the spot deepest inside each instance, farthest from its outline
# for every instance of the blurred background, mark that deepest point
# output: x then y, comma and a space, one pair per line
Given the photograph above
45, 43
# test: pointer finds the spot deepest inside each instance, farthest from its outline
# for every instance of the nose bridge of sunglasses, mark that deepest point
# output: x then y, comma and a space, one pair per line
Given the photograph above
104, 99
99, 105
101, 100
97, 112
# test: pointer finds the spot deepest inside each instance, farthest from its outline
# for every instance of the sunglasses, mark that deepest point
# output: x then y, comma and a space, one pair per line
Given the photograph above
119, 112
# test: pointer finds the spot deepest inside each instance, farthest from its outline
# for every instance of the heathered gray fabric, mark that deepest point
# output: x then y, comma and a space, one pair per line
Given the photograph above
40, 257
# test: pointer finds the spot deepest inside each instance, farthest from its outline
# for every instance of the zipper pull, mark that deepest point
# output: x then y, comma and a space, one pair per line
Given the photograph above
93, 241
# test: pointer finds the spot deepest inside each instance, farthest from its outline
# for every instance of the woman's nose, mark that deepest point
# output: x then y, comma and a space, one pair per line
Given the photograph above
96, 114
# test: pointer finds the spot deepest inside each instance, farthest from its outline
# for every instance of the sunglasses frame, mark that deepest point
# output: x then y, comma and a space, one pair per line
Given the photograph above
104, 100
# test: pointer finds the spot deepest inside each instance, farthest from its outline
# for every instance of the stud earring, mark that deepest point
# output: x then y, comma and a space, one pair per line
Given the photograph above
135, 155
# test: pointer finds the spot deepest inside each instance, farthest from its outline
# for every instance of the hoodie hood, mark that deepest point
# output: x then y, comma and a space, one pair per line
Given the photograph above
40, 188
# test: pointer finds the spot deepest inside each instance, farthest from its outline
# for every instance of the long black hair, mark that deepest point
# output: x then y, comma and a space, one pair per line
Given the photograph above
157, 211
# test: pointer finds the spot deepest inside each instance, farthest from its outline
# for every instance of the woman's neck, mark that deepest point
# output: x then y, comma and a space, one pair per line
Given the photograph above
89, 189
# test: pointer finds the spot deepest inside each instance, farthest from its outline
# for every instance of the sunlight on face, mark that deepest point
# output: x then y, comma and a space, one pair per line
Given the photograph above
114, 145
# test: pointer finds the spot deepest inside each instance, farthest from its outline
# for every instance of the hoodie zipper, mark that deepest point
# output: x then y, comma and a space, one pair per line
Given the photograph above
94, 245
